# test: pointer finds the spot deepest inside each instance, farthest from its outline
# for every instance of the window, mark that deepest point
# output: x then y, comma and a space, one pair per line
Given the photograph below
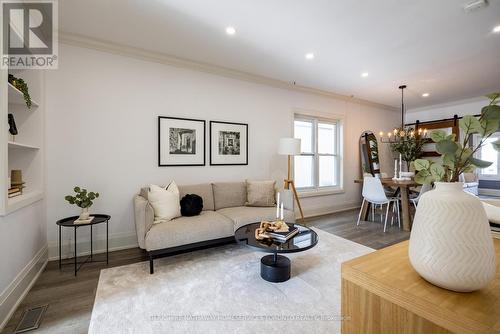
488, 153
318, 165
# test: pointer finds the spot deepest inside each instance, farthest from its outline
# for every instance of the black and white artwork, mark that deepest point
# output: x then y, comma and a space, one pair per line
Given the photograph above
228, 143
181, 141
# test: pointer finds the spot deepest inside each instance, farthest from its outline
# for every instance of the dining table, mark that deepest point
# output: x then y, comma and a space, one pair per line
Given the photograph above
403, 187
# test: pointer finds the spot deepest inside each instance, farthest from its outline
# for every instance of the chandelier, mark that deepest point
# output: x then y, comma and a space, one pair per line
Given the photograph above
402, 134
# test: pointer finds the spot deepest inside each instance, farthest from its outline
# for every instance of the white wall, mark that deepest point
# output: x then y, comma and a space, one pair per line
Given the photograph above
448, 110
102, 132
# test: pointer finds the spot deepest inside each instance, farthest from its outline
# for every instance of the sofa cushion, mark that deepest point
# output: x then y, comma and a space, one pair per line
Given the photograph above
208, 225
261, 193
229, 194
165, 202
243, 215
203, 190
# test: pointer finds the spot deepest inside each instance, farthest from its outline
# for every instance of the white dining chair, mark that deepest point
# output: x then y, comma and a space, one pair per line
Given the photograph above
425, 188
373, 193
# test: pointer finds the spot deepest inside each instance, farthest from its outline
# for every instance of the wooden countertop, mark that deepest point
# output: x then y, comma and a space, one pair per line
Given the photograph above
389, 274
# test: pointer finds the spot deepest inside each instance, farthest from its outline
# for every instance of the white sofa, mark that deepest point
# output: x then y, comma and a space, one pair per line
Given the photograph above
224, 211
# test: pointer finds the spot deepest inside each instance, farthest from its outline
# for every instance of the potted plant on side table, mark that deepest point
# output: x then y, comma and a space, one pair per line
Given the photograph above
83, 200
450, 243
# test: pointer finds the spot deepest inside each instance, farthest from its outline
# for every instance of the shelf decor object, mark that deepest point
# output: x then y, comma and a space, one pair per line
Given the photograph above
181, 142
21, 85
291, 147
450, 243
228, 143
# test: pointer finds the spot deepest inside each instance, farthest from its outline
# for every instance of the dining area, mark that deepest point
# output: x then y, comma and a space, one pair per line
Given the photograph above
393, 197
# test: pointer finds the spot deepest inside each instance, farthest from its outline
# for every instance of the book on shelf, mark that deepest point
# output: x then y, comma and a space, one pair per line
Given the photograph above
83, 221
283, 236
495, 227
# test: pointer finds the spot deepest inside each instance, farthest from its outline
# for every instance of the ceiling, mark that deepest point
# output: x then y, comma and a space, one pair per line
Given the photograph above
432, 46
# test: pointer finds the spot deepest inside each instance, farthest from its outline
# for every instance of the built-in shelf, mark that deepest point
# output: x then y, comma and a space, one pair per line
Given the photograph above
23, 200
16, 145
17, 97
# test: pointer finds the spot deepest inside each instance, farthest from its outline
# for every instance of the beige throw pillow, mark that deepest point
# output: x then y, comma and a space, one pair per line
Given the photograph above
261, 193
165, 202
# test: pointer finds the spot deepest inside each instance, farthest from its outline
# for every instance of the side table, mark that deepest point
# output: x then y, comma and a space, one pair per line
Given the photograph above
69, 222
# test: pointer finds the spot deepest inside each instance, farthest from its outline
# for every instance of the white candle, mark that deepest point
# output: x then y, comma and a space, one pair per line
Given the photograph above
400, 164
278, 206
395, 168
281, 216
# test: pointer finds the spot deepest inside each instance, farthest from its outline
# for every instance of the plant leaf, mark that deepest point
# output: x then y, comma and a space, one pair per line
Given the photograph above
421, 164
451, 137
437, 171
496, 145
449, 160
493, 96
469, 124
447, 147
424, 177
438, 135
488, 126
480, 163
469, 168
491, 112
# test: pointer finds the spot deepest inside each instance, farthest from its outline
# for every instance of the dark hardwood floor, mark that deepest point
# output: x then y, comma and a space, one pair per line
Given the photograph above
71, 298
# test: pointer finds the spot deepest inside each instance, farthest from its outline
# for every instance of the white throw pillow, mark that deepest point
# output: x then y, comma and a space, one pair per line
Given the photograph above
165, 202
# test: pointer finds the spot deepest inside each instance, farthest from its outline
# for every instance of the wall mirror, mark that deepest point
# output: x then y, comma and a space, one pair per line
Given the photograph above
368, 147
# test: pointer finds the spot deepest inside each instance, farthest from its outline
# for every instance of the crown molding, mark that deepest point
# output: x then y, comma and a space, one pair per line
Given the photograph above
157, 57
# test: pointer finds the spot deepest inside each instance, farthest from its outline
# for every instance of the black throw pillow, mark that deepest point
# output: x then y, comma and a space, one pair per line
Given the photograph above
191, 205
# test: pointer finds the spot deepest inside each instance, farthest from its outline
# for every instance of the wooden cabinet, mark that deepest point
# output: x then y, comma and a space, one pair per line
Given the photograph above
382, 293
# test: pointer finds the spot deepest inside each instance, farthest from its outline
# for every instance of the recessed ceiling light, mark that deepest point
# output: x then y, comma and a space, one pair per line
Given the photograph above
310, 55
425, 95
496, 29
230, 31
364, 74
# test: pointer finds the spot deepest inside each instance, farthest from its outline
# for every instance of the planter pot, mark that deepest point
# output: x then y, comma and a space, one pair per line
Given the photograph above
85, 214
450, 243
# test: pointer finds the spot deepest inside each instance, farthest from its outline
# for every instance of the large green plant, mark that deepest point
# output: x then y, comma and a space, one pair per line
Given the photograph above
82, 199
458, 158
409, 144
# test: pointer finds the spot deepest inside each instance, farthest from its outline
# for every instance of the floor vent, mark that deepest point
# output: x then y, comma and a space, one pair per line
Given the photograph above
31, 319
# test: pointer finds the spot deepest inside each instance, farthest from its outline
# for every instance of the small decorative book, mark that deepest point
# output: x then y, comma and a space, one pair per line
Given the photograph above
278, 230
83, 221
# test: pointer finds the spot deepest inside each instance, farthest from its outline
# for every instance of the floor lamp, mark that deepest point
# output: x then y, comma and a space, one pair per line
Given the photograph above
290, 147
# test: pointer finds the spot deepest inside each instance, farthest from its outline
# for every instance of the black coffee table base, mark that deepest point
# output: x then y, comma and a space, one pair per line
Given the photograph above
275, 268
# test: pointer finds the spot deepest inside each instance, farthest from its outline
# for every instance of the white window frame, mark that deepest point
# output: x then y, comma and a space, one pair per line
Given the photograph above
316, 189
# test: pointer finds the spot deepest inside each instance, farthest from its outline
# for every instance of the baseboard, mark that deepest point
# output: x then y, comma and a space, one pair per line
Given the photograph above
117, 241
322, 211
489, 192
13, 295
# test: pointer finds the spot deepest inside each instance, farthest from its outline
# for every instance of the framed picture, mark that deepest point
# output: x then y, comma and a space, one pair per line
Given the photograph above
181, 141
228, 143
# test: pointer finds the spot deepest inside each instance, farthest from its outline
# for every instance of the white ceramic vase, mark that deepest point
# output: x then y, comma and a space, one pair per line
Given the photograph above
451, 244
85, 214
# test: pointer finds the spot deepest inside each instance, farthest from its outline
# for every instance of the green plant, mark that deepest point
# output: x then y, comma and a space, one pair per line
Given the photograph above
409, 145
82, 199
458, 158
21, 85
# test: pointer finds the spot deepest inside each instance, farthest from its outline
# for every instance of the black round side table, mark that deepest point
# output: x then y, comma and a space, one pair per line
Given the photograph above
70, 222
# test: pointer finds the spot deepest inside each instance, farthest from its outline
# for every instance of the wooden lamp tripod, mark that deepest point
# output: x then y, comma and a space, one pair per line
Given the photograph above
290, 147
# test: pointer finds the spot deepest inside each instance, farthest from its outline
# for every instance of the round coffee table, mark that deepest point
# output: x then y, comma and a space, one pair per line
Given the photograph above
276, 268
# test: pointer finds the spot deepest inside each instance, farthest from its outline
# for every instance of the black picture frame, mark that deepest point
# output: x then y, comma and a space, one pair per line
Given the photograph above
211, 143
202, 137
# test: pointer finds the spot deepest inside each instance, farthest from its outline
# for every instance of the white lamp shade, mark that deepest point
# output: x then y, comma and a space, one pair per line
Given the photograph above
289, 146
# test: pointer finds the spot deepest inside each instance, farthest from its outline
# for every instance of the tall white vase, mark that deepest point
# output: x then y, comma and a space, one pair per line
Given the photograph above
450, 243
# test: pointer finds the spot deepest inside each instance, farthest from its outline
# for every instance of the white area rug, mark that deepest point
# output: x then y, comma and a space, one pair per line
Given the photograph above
220, 290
